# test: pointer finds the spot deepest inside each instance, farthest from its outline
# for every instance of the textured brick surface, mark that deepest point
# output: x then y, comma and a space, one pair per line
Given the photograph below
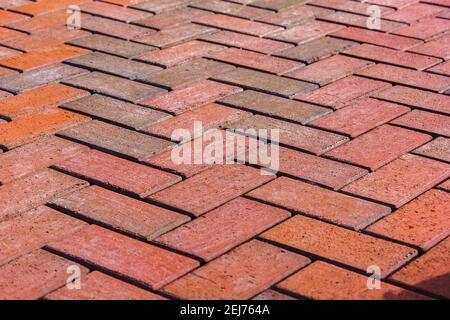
306, 32
437, 149
436, 48
425, 121
172, 18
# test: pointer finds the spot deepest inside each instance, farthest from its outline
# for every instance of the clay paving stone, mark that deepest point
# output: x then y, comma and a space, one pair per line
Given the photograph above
445, 185
116, 173
291, 134
443, 69
118, 47
120, 212
414, 12
425, 121
158, 6
41, 226
9, 4
8, 34
343, 92
255, 61
173, 36
422, 223
276, 5
8, 17
211, 188
46, 6
438, 149
36, 189
237, 24
123, 256
229, 8
43, 22
377, 38
379, 146
247, 42
116, 140
114, 86
415, 98
424, 29
6, 71
329, 70
401, 180
320, 203
114, 65
240, 274
323, 281
99, 286
413, 78
34, 275
306, 32
397, 4
172, 18
268, 83
39, 77
185, 74
180, 53
223, 228
26, 129
116, 111
211, 116
346, 6
182, 100
274, 106
437, 48
7, 52
272, 295
110, 11
37, 100
36, 156
390, 56
359, 117
113, 28
429, 272
340, 245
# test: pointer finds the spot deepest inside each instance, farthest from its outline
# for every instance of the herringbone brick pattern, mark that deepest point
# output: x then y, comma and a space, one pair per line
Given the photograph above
87, 179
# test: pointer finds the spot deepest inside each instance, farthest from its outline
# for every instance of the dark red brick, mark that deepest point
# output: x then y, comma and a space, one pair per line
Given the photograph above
306, 32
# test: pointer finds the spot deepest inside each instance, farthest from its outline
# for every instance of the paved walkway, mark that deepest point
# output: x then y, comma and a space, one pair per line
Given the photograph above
90, 191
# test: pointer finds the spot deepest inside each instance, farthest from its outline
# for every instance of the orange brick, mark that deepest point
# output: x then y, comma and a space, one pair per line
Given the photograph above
46, 6
8, 17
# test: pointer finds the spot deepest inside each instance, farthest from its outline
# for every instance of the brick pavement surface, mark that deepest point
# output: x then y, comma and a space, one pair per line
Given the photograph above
89, 102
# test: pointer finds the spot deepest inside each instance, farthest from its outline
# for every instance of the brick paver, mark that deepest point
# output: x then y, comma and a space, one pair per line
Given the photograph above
94, 121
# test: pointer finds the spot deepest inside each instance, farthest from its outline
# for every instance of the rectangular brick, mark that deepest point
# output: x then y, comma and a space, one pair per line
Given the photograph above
119, 212
107, 63
294, 16
41, 226
238, 25
429, 272
306, 32
360, 116
291, 134
274, 106
115, 86
8, 17
416, 98
257, 61
172, 18
185, 74
422, 223
275, 5
116, 140
113, 28
320, 203
442, 69
343, 92
141, 262
414, 12
23, 161
346, 247
212, 188
118, 47
157, 6
99, 286
377, 38
230, 9
46, 6
173, 36
439, 48
400, 181
114, 12
116, 111
211, 116
268, 83
379, 146
247, 42
8, 34
117, 174
323, 281
38, 100
33, 275
272, 295
396, 4
20, 131
182, 100
424, 29
43, 23
438, 149
7, 52
240, 274
9, 4
40, 77
180, 53
329, 70
360, 21
223, 228
425, 121
348, 6
412, 78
